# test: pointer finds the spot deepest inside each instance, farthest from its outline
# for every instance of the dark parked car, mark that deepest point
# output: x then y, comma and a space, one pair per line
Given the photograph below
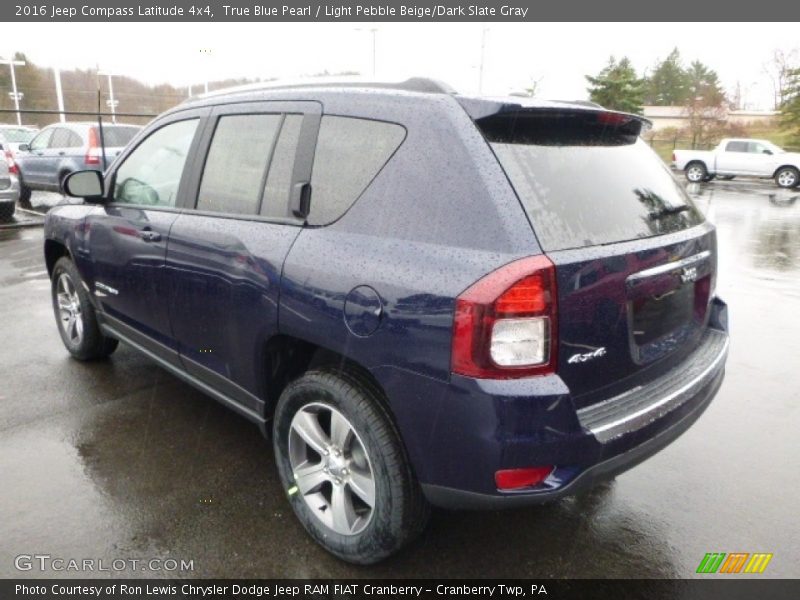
63, 148
425, 298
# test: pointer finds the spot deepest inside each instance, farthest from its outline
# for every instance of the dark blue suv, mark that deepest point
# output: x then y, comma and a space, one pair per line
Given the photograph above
425, 298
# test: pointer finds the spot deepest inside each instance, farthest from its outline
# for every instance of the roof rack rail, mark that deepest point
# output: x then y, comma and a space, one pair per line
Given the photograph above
413, 84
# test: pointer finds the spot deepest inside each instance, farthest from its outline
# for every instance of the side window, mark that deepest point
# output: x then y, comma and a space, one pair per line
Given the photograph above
151, 174
74, 140
757, 148
60, 138
41, 141
736, 147
233, 177
350, 153
279, 180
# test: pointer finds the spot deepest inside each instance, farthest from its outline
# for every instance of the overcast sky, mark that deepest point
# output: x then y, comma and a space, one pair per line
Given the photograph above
557, 54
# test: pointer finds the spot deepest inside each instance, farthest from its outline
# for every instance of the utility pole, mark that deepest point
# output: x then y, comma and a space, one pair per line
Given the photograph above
59, 94
484, 31
14, 94
110, 102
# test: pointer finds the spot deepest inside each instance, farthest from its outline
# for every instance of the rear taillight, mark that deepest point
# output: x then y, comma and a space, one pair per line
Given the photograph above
12, 165
93, 152
673, 157
505, 324
514, 479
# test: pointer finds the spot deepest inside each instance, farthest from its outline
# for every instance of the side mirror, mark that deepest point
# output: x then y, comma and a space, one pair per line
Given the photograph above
24, 148
767, 151
84, 184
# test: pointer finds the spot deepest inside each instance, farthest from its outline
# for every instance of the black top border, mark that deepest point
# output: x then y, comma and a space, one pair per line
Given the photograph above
414, 11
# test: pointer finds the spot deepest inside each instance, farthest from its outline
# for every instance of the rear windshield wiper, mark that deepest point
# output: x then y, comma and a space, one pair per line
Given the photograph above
669, 210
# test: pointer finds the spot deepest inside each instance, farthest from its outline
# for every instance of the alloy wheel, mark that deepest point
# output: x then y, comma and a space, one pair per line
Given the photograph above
69, 309
331, 468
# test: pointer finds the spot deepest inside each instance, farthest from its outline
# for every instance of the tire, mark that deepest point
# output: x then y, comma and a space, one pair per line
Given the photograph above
75, 315
328, 502
787, 177
61, 179
24, 195
7, 211
696, 172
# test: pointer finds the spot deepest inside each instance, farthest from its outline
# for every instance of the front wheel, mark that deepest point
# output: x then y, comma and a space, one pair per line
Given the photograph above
787, 177
696, 172
75, 315
344, 468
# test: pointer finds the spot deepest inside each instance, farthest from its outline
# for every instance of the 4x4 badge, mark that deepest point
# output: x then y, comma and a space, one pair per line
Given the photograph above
688, 274
579, 358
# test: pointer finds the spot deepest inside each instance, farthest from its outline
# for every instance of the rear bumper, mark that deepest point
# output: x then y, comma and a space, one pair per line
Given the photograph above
11, 193
607, 469
459, 434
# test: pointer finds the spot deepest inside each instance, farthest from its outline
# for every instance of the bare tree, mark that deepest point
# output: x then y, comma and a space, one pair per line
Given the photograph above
779, 69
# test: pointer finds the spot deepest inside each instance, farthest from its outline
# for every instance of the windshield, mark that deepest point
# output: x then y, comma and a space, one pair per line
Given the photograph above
585, 182
17, 135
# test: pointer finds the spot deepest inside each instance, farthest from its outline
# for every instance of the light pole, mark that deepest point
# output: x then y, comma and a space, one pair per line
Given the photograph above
374, 32
14, 94
59, 94
484, 31
111, 103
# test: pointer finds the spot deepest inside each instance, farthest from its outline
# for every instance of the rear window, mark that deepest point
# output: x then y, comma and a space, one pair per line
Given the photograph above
118, 136
587, 179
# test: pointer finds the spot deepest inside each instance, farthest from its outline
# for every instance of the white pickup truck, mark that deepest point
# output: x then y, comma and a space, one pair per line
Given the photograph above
733, 157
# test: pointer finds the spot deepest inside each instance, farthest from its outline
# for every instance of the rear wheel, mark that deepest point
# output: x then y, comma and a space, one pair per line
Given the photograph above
24, 195
75, 315
787, 177
6, 211
344, 467
61, 178
696, 172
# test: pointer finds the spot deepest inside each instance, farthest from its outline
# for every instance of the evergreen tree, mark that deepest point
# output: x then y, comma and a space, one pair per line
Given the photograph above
704, 85
668, 85
617, 87
790, 109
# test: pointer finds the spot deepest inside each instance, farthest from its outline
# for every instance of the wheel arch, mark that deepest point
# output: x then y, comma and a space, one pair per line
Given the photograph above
287, 358
786, 166
54, 250
696, 161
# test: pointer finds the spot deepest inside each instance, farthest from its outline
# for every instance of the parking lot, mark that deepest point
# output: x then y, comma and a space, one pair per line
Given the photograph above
119, 459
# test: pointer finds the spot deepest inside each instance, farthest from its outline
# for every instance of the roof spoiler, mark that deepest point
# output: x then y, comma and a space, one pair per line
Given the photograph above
482, 108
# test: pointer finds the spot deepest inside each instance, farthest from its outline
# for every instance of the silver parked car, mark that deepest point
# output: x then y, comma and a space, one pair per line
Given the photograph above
9, 191
61, 148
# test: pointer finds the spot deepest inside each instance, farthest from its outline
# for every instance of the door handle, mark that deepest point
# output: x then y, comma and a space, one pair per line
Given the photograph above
150, 236
61, 153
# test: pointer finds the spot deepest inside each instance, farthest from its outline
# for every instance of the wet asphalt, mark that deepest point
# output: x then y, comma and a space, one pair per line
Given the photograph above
119, 459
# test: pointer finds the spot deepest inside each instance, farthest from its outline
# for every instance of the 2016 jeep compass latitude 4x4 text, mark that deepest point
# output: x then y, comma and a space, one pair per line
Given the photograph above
423, 298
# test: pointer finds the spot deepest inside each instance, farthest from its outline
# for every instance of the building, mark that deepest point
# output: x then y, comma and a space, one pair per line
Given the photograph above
676, 117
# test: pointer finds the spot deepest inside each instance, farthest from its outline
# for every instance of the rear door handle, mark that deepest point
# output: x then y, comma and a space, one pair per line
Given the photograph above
150, 236
61, 153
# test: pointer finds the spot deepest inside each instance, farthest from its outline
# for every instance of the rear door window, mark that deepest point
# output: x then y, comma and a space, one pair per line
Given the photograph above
350, 153
585, 181
736, 147
117, 136
60, 138
237, 163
